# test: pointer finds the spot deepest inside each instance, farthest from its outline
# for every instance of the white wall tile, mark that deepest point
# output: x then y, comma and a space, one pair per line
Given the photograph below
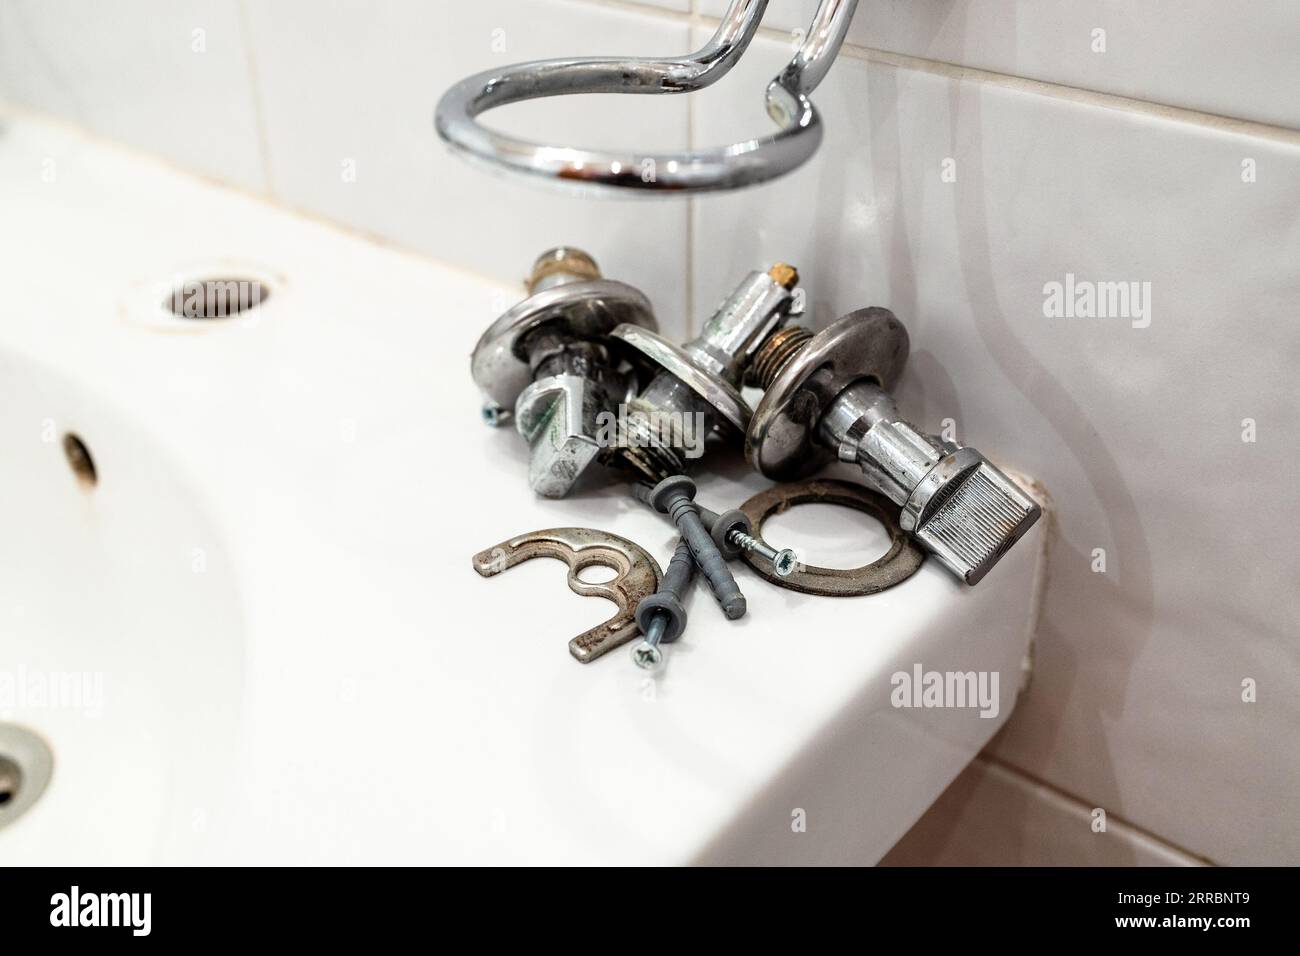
357, 82
1230, 57
994, 816
167, 76
677, 6
1136, 432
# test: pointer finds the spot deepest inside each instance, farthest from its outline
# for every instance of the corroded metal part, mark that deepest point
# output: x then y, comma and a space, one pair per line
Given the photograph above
721, 395
583, 310
897, 565
782, 438
559, 418
636, 577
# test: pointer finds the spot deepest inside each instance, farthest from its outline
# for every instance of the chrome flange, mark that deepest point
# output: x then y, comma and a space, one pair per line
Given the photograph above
781, 441
586, 309
720, 394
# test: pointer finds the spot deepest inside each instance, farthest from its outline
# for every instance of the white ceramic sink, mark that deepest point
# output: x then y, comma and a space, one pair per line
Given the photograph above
271, 580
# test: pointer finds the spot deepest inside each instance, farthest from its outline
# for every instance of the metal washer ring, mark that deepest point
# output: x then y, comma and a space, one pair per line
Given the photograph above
898, 564
782, 438
588, 309
724, 398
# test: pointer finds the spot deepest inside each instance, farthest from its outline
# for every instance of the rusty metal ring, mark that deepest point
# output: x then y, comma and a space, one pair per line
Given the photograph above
899, 563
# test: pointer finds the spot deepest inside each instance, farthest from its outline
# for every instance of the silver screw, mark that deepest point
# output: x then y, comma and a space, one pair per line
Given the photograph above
646, 654
495, 416
734, 530
661, 615
783, 562
674, 496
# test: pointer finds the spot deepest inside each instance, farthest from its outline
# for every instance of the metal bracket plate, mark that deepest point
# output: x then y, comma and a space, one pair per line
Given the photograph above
637, 576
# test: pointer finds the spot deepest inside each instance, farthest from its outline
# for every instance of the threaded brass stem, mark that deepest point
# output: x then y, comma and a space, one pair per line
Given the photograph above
559, 265
784, 275
780, 347
651, 463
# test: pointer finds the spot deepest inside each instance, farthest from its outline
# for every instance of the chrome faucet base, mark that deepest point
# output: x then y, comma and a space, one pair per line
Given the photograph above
702, 378
721, 396
585, 309
827, 398
782, 440
545, 363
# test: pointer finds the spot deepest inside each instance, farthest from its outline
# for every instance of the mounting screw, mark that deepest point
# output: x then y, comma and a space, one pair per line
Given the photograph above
495, 416
661, 615
674, 496
732, 532
783, 562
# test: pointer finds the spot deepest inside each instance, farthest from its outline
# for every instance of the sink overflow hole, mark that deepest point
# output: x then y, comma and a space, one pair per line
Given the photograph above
78, 455
218, 298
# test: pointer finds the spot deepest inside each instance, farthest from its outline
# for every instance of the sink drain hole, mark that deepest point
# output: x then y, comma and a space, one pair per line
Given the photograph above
11, 781
216, 298
78, 455
26, 765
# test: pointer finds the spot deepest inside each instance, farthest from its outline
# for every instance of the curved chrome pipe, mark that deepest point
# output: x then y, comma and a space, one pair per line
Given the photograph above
718, 168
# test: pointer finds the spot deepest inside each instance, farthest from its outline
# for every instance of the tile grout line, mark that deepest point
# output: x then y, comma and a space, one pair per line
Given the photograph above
255, 84
691, 206
1077, 94
1024, 84
642, 6
690, 232
1085, 807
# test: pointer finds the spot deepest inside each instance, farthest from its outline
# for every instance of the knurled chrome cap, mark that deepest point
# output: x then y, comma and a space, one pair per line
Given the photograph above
971, 519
